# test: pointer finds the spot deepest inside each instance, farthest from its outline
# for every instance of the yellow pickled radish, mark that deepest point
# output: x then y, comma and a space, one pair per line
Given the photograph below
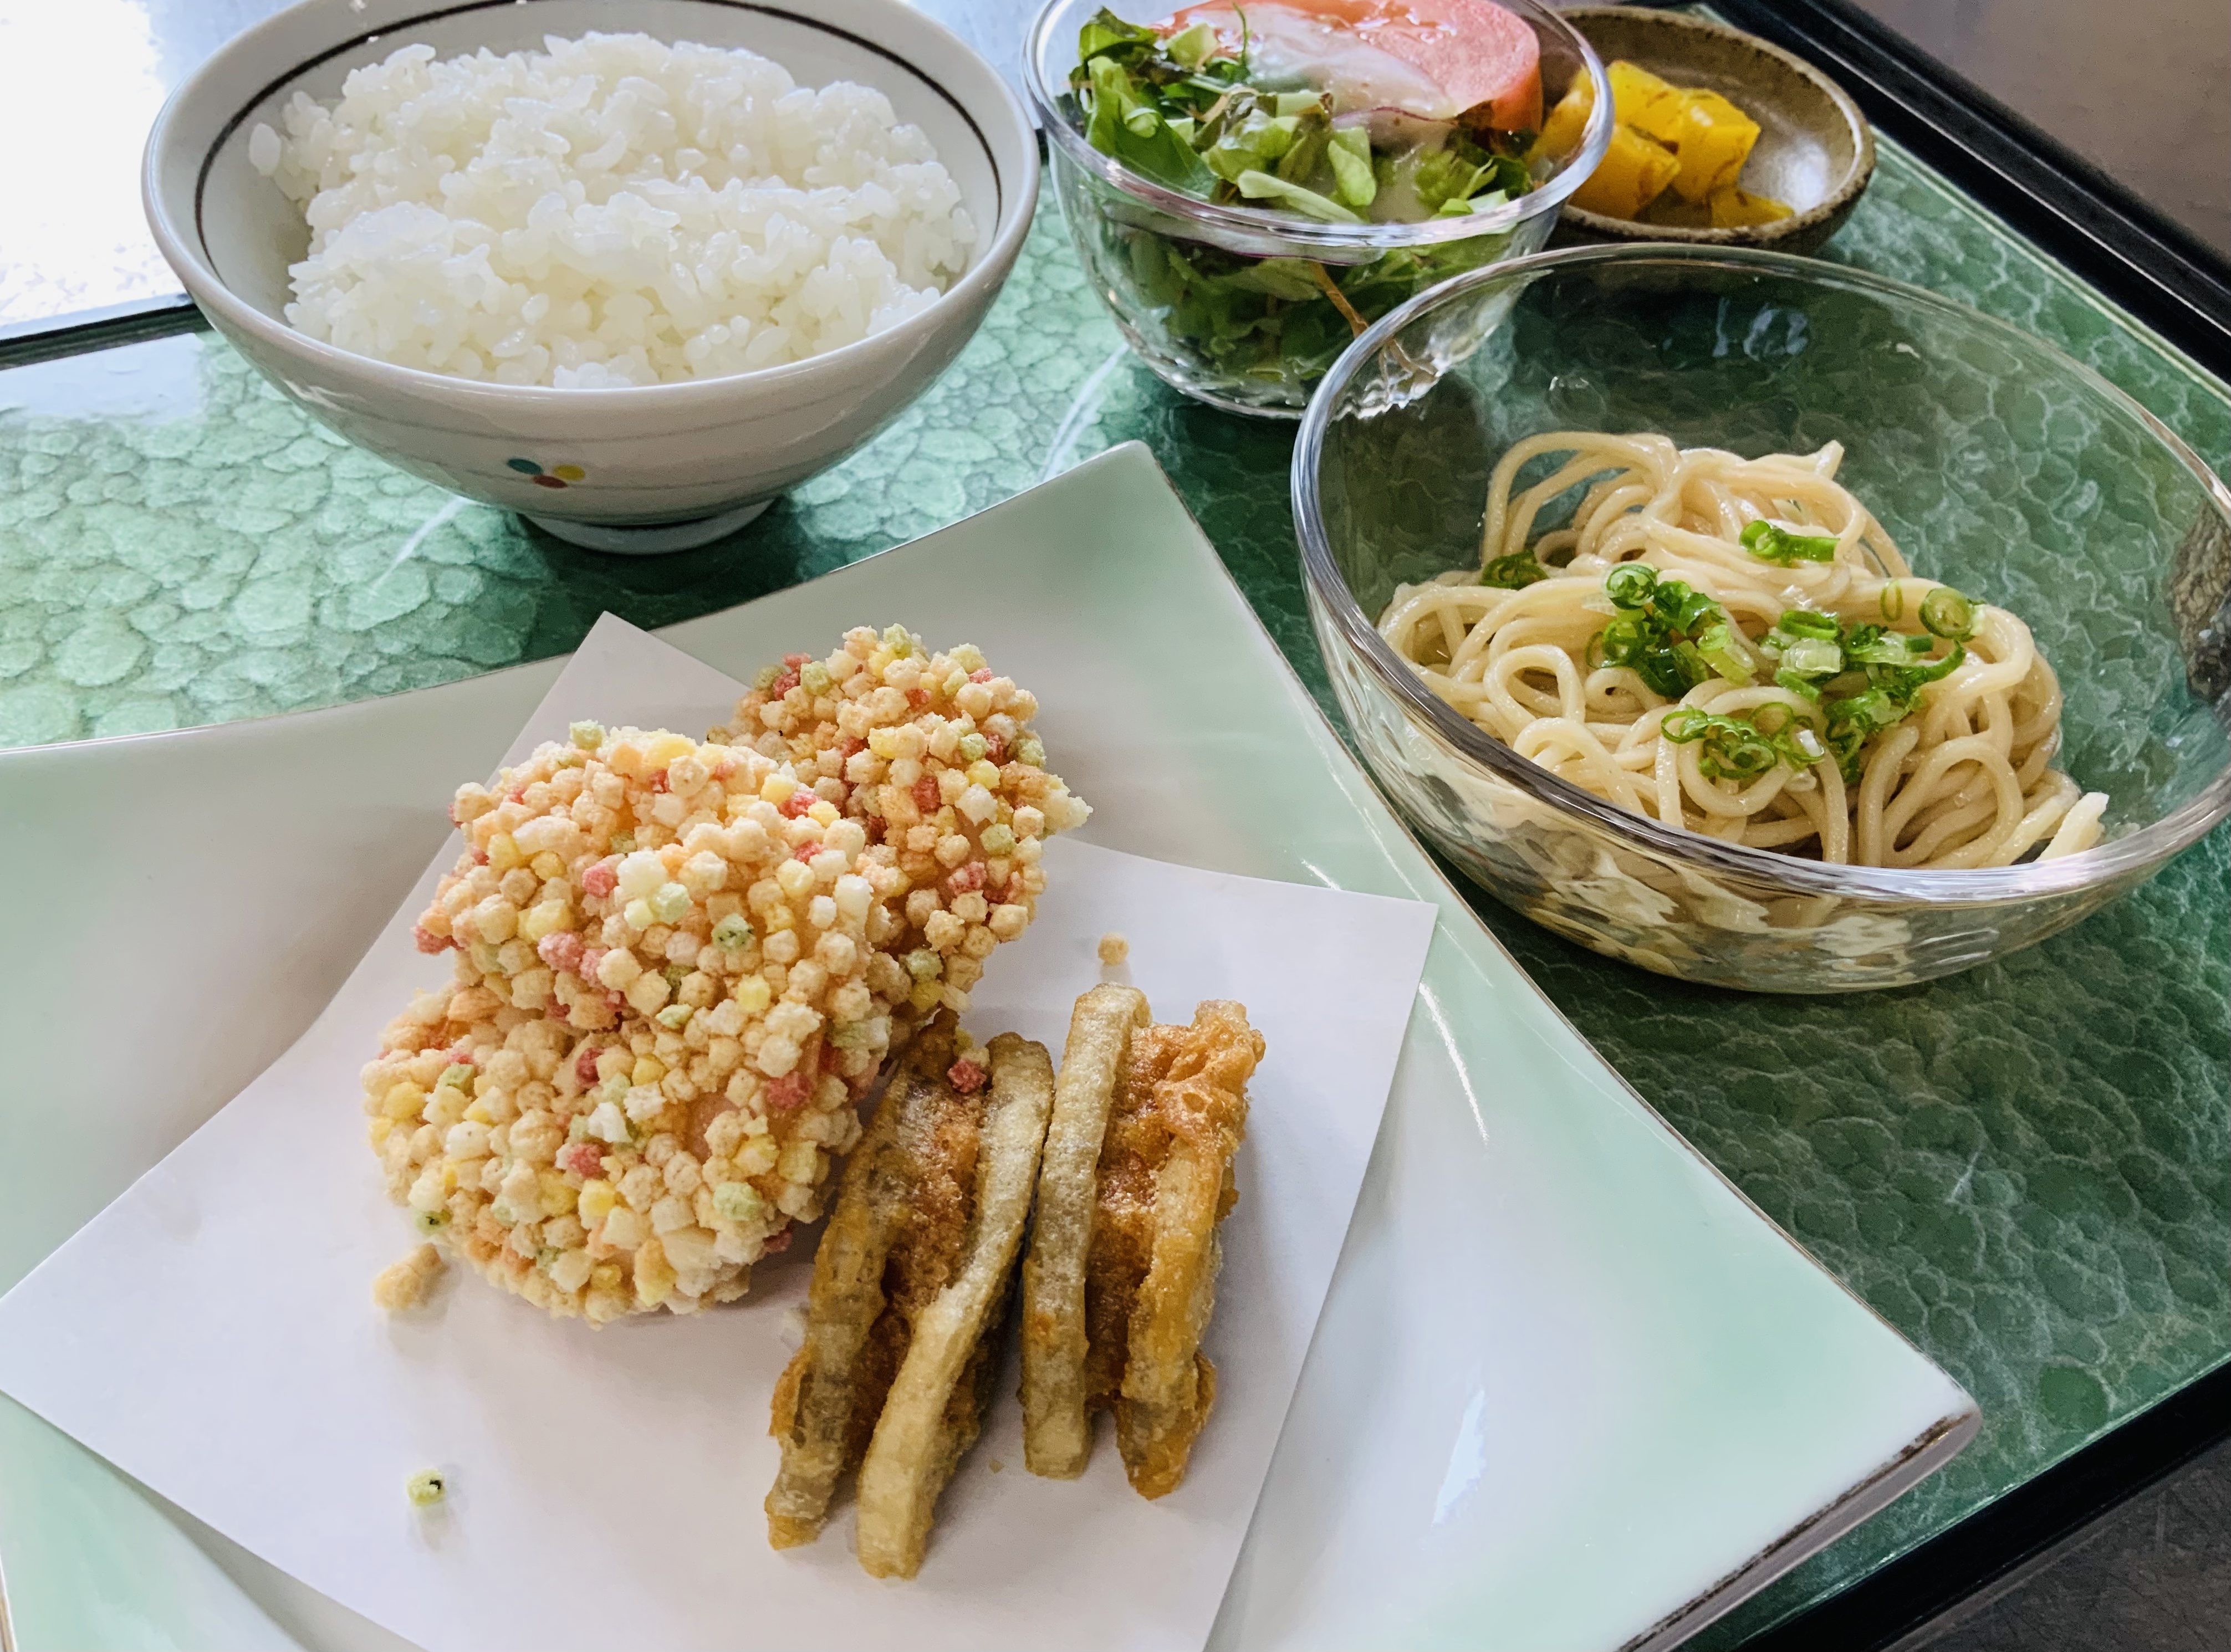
1735, 209
1634, 172
1562, 126
1714, 140
1650, 105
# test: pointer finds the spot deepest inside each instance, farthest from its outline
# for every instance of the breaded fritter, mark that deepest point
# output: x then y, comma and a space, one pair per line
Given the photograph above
937, 1401
910, 1289
893, 1240
1164, 1185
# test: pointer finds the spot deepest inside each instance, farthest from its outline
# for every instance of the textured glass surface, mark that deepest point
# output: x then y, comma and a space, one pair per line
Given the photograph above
2023, 1167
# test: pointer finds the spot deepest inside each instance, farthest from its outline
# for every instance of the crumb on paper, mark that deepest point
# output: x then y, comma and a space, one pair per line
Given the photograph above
1114, 947
404, 1284
998, 1467
426, 1488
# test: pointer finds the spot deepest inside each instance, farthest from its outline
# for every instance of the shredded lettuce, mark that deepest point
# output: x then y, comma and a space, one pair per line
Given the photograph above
1267, 186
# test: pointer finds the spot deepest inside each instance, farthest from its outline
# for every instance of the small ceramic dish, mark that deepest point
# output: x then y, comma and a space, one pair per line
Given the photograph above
649, 468
1815, 150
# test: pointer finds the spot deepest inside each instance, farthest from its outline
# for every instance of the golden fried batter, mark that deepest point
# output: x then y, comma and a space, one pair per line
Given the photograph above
1056, 1426
1165, 1184
937, 1401
911, 1287
895, 1240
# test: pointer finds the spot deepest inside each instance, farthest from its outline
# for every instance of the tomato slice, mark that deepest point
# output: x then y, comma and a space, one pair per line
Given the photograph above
1440, 59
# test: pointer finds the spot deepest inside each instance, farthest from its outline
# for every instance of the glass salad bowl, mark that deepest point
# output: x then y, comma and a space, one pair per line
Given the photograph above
1998, 464
1243, 307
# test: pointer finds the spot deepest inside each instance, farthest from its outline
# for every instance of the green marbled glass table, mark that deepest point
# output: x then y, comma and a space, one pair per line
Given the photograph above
2023, 1168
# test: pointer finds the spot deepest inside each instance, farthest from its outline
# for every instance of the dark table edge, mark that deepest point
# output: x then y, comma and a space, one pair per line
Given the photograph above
1901, 1596
50, 338
2132, 252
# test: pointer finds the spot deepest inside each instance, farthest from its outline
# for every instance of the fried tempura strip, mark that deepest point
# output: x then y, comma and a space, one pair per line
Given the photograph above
933, 1414
1057, 1432
1169, 1384
821, 1411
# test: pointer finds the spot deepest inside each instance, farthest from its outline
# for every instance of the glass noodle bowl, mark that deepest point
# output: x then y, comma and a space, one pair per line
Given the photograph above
1996, 463
1139, 242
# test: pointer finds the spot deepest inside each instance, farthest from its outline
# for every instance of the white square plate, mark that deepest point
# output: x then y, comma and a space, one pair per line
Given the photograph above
1570, 1390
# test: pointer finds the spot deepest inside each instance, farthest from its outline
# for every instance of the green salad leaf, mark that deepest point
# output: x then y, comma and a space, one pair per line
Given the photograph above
1349, 153
1268, 186
1124, 125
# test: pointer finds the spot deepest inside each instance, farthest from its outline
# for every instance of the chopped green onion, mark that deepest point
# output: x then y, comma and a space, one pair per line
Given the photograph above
1732, 746
1878, 649
1813, 657
1803, 622
1660, 630
1513, 572
1770, 542
1939, 670
1629, 585
1892, 601
1946, 613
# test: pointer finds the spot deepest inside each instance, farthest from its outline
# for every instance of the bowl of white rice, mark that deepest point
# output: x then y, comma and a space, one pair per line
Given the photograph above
632, 271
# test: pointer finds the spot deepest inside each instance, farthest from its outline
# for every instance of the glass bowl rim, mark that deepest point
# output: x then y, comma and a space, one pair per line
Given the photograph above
1261, 224
2136, 853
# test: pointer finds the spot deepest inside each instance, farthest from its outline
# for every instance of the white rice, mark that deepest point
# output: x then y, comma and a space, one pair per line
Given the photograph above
609, 210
